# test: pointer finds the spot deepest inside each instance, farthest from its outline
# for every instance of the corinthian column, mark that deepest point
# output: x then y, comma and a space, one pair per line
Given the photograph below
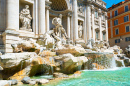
100, 24
89, 33
75, 20
68, 25
41, 13
12, 14
93, 25
106, 27
85, 26
47, 19
35, 20
11, 34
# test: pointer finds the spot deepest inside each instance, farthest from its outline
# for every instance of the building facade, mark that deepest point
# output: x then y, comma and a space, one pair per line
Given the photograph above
90, 16
119, 24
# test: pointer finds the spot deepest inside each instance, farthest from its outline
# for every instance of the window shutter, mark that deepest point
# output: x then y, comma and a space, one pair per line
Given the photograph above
118, 40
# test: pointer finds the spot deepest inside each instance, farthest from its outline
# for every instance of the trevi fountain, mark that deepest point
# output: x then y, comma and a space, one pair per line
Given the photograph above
59, 49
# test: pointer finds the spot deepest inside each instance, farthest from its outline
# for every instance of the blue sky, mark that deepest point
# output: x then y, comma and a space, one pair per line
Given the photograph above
111, 2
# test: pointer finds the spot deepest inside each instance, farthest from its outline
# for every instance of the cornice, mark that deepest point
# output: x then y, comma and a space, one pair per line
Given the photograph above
89, 2
48, 3
118, 6
64, 13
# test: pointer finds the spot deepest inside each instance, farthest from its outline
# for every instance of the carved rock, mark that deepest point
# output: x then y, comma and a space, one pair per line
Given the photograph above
127, 51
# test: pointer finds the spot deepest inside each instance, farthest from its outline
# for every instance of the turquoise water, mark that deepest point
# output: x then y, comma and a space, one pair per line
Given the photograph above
119, 77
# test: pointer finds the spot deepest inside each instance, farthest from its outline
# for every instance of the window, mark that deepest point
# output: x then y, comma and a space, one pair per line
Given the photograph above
127, 28
116, 13
117, 41
96, 35
104, 36
126, 18
96, 14
127, 39
117, 31
103, 17
126, 8
115, 22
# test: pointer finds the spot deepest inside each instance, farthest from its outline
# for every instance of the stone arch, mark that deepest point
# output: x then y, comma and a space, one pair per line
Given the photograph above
59, 5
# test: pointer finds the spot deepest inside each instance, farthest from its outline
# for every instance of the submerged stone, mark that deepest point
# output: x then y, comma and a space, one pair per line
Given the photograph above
25, 80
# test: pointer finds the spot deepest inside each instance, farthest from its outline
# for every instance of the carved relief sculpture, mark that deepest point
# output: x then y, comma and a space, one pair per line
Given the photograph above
25, 19
80, 10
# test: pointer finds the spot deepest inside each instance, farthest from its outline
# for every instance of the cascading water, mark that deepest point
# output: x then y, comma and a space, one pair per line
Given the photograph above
51, 60
99, 61
21, 67
113, 62
79, 64
122, 62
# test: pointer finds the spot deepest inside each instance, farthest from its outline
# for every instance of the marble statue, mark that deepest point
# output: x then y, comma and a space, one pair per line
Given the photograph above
59, 34
80, 30
25, 18
59, 30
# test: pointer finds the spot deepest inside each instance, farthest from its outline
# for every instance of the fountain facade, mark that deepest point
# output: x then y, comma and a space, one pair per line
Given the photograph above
57, 50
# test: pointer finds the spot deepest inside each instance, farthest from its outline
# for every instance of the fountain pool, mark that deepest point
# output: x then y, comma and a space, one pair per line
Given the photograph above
118, 77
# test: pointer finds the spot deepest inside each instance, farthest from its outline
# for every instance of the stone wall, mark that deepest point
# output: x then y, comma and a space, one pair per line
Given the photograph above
2, 15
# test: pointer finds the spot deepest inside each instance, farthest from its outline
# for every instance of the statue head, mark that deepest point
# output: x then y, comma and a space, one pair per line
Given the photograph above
26, 6
60, 16
80, 23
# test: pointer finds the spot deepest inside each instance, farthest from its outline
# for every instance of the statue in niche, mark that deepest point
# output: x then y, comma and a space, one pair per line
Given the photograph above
80, 30
25, 19
59, 30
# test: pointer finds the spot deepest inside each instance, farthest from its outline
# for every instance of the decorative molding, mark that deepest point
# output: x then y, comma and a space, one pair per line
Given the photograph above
64, 13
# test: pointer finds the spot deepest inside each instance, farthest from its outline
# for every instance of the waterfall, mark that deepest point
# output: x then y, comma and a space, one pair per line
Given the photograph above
100, 61
21, 67
122, 61
118, 59
51, 60
113, 63
52, 71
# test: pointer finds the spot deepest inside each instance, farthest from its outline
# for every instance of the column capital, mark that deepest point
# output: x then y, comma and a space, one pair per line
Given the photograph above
48, 7
93, 8
69, 14
106, 17
99, 12
88, 4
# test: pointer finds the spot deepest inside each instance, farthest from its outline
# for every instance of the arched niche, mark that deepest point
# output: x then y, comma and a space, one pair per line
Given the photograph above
59, 5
